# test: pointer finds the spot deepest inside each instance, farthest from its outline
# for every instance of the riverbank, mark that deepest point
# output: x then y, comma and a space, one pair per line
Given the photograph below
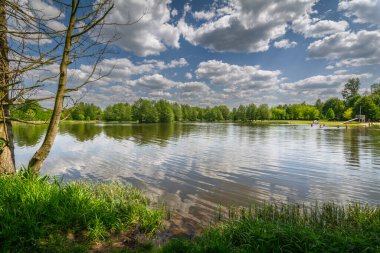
289, 228
40, 214
291, 122
43, 215
309, 122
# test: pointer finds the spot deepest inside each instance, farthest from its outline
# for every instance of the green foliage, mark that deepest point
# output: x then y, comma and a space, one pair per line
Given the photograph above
336, 105
301, 111
290, 228
251, 112
226, 114
241, 113
376, 99
177, 112
118, 112
144, 111
278, 113
350, 102
375, 89
351, 88
30, 111
165, 111
148, 111
38, 214
367, 107
263, 112
330, 115
86, 111
348, 113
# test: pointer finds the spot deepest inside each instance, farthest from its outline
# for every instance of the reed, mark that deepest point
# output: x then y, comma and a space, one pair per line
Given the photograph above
268, 227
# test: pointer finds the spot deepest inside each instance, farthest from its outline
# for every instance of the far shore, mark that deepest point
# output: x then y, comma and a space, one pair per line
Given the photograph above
290, 122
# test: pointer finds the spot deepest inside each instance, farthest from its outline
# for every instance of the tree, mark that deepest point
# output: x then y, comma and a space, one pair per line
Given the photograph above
311, 112
278, 113
118, 112
375, 88
186, 112
82, 38
350, 102
336, 105
31, 41
177, 112
367, 107
348, 113
263, 112
330, 115
226, 114
85, 111
251, 112
30, 111
144, 112
165, 111
319, 105
241, 113
351, 88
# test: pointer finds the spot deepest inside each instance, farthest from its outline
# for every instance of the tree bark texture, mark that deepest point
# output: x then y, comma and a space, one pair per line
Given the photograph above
7, 158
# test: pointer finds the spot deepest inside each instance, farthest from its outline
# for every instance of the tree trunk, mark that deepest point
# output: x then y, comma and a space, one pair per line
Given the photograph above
39, 157
7, 158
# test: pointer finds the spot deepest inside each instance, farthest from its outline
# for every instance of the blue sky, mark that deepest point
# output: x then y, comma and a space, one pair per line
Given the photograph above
237, 52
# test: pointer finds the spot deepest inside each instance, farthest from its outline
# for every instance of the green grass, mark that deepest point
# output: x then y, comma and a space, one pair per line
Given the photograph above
329, 123
308, 122
289, 228
39, 214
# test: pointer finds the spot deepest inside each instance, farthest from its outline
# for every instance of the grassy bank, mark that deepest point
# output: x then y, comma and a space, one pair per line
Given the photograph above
43, 215
308, 122
290, 228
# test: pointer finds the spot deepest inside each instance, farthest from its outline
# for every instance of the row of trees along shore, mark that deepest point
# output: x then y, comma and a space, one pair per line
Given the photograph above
147, 111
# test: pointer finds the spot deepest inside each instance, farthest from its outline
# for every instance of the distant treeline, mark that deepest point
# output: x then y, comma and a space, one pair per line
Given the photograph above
148, 111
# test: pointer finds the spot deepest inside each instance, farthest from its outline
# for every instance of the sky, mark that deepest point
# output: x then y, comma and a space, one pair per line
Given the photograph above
205, 52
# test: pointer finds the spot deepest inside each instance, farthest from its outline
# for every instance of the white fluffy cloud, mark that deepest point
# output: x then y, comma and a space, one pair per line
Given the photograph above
319, 86
188, 75
244, 26
284, 44
317, 28
157, 86
44, 9
348, 48
152, 34
235, 77
206, 15
322, 83
362, 11
193, 89
113, 71
154, 82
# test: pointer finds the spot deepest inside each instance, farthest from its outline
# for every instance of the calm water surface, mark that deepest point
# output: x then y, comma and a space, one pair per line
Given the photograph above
194, 167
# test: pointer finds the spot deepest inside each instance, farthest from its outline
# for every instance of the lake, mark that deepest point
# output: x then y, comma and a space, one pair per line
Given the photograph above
194, 167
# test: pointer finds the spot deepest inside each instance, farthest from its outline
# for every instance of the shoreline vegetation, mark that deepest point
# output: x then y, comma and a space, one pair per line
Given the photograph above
375, 125
42, 214
163, 111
